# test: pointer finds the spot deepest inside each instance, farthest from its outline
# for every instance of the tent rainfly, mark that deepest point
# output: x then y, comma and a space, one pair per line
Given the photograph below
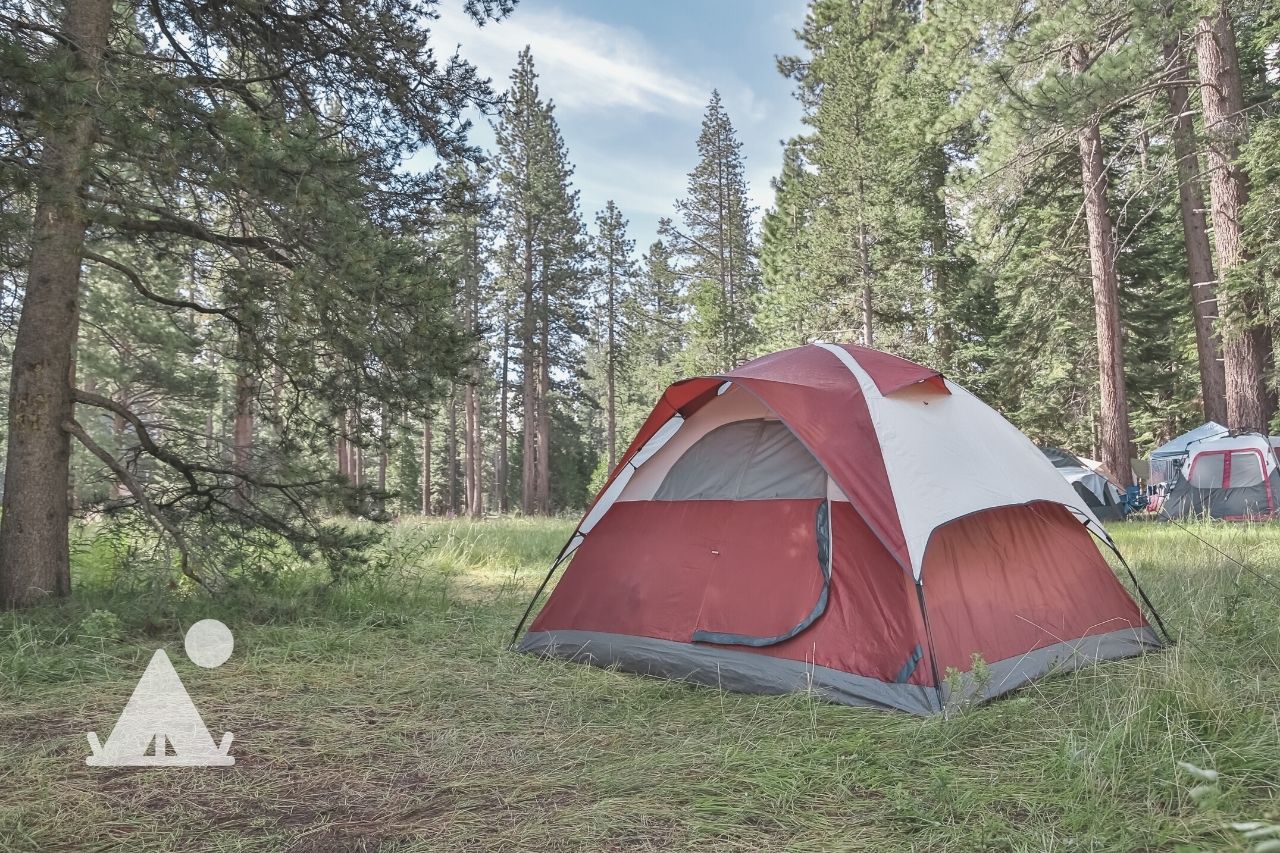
837, 519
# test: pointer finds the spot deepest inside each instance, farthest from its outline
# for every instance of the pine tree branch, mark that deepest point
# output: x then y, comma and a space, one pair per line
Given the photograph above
136, 280
144, 503
167, 223
188, 470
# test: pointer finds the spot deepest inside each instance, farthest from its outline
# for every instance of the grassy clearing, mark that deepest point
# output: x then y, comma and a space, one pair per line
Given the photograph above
385, 714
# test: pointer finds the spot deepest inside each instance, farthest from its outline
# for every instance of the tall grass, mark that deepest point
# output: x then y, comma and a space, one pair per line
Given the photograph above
385, 713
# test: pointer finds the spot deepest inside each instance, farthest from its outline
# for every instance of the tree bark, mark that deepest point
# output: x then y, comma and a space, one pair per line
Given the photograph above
864, 255
383, 442
451, 454
34, 553
611, 427
1246, 339
426, 463
472, 464
340, 447
242, 423
504, 391
1195, 238
355, 462
528, 477
543, 494
1113, 415
475, 453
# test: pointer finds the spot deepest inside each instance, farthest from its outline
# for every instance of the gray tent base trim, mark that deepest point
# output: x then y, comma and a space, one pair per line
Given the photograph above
746, 672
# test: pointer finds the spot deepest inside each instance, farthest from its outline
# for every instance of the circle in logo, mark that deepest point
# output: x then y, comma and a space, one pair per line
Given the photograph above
209, 643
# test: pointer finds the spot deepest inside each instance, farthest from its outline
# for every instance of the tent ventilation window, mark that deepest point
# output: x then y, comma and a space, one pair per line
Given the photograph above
743, 461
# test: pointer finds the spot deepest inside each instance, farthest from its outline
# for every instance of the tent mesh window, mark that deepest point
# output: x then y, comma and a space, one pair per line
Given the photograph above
1207, 470
1246, 469
742, 461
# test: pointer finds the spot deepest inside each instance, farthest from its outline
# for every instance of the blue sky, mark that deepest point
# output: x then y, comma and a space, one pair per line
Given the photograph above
631, 79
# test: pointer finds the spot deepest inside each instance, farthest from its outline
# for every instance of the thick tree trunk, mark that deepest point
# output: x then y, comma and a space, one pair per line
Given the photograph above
34, 555
1195, 238
1113, 415
426, 463
1246, 340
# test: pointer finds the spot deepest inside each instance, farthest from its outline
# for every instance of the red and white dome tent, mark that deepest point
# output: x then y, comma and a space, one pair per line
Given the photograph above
837, 519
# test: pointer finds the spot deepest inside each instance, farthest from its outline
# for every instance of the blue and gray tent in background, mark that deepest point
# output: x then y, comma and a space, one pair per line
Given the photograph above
1168, 457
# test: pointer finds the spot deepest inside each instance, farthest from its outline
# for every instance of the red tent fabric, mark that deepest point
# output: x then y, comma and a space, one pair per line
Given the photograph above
837, 519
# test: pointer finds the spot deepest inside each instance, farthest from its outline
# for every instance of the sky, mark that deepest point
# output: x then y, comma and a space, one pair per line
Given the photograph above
630, 80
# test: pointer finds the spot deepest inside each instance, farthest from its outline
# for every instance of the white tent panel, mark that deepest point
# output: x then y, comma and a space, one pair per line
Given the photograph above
948, 456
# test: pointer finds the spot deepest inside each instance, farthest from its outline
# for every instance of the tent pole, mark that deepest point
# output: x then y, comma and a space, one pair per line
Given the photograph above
928, 638
515, 635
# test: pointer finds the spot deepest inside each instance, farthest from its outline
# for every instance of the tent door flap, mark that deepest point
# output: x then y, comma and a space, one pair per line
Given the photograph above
817, 586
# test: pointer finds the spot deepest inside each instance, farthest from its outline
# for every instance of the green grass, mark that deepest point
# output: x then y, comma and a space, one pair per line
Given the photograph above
386, 714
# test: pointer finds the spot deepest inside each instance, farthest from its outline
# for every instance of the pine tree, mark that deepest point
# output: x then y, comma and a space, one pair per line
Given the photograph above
1195, 234
615, 270
543, 253
717, 248
1247, 341
653, 316
864, 190
791, 310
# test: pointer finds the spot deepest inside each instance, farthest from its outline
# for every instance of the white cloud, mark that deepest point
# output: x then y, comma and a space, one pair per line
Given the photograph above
583, 64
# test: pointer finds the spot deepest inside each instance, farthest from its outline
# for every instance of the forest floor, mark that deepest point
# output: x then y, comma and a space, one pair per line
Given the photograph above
386, 714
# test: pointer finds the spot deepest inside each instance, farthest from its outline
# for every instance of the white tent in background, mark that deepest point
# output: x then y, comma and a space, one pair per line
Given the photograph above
1104, 497
1168, 457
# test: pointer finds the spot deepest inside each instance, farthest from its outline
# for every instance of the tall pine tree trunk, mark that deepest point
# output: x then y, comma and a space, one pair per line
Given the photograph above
426, 463
471, 450
34, 554
472, 465
501, 475
381, 504
451, 454
864, 266
864, 251
611, 370
543, 497
1113, 416
1195, 238
246, 392
1246, 340
340, 448
528, 476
